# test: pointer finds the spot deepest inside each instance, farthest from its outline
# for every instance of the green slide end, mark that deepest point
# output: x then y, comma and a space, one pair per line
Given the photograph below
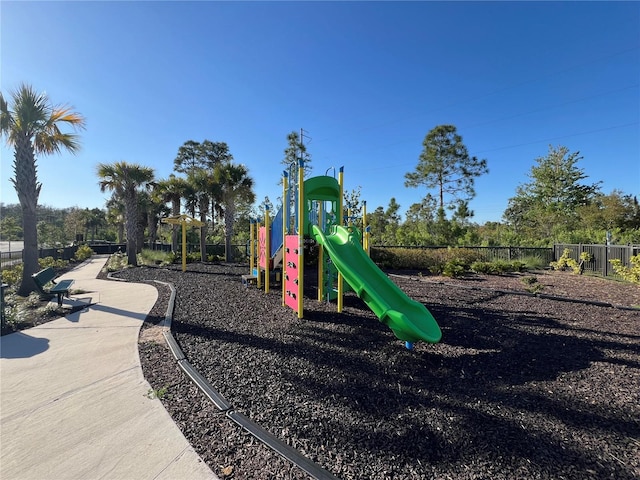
409, 320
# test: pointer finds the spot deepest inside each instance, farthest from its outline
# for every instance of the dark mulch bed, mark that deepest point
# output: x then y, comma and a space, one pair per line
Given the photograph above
519, 387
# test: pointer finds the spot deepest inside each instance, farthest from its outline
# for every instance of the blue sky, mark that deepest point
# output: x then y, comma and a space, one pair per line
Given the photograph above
365, 80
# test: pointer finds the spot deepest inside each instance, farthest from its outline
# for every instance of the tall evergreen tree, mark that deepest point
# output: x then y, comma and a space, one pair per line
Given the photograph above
445, 165
549, 202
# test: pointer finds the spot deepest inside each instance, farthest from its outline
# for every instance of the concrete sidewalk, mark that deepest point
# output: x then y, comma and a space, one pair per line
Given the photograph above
73, 401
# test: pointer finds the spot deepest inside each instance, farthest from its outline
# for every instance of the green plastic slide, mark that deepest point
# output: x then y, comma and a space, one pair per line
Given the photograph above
409, 320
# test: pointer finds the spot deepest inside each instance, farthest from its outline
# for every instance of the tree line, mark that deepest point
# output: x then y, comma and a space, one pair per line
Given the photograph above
557, 204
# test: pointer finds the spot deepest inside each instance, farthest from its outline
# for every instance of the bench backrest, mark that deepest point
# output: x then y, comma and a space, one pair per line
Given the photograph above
44, 276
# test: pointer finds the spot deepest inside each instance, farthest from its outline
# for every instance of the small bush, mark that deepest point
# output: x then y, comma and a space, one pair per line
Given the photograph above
454, 268
532, 284
534, 262
193, 257
155, 257
630, 274
433, 260
47, 262
482, 267
565, 261
117, 261
498, 267
518, 266
83, 252
13, 275
19, 309
502, 266
586, 257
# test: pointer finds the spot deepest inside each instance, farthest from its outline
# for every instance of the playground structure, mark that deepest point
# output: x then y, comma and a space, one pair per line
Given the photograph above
313, 211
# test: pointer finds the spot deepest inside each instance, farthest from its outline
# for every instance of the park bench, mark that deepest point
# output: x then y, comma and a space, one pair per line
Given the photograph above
43, 277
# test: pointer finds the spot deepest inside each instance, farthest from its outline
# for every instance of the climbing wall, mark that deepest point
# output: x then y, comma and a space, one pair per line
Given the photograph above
262, 247
291, 260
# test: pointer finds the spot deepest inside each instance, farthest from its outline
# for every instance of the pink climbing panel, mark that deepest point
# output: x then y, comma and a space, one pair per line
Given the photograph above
262, 247
291, 259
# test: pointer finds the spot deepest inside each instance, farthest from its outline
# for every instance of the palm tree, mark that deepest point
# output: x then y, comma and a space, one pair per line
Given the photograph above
156, 209
173, 190
125, 180
115, 216
32, 126
95, 220
235, 186
206, 190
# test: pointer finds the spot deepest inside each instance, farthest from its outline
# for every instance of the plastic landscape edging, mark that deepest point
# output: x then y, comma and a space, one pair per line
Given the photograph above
280, 447
274, 443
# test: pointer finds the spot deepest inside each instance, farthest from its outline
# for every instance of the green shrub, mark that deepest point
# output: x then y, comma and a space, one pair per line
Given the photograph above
19, 309
155, 257
586, 257
565, 261
433, 260
13, 275
454, 268
518, 266
116, 261
630, 274
383, 257
482, 267
532, 284
193, 257
502, 266
47, 262
83, 252
498, 267
534, 262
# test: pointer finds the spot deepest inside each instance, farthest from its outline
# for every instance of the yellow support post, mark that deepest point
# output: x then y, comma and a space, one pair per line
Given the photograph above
267, 248
285, 220
259, 279
184, 247
365, 233
183, 220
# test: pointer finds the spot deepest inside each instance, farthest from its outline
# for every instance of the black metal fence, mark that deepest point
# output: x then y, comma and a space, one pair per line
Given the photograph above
601, 254
238, 252
490, 254
7, 259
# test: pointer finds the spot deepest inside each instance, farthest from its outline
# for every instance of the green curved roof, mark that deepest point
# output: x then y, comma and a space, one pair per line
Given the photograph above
321, 188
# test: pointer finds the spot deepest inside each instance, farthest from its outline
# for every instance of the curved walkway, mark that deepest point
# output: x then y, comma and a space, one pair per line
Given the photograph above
73, 401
